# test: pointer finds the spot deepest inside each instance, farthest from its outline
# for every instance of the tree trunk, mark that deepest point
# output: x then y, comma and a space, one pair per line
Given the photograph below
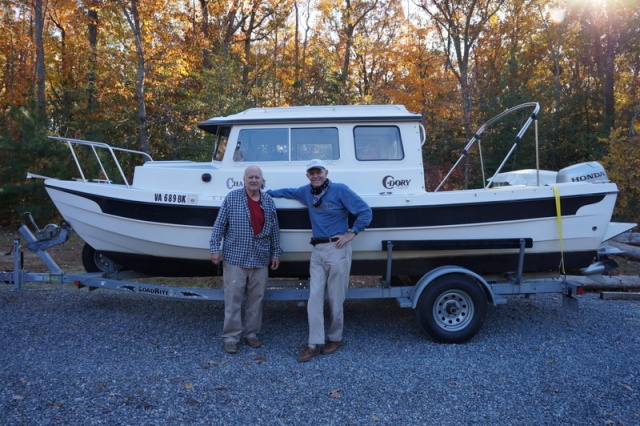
206, 51
296, 53
608, 119
246, 68
67, 77
604, 49
40, 72
92, 15
8, 83
133, 17
348, 31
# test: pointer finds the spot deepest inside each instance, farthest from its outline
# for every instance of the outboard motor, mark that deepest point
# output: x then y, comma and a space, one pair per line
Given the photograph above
583, 172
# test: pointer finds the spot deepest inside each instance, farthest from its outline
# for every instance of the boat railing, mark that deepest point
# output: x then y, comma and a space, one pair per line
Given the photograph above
95, 147
476, 138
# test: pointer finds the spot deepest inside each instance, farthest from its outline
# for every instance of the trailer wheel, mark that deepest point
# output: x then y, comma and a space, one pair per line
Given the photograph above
95, 261
452, 309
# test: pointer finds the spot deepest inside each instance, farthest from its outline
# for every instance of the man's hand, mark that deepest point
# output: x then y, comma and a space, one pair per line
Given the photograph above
344, 239
275, 263
215, 258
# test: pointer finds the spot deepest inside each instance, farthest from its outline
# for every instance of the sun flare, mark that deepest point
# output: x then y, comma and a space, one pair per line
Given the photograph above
557, 15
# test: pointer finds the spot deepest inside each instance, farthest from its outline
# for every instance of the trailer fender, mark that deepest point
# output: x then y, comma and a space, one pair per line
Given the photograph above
433, 274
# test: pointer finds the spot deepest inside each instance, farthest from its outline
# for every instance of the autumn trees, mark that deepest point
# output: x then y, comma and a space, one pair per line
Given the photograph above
141, 73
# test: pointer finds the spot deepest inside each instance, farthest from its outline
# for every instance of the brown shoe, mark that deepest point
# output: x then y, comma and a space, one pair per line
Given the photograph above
308, 353
330, 347
254, 342
230, 347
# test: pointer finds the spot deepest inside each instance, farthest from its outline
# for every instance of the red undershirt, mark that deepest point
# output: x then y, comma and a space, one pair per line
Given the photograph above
257, 215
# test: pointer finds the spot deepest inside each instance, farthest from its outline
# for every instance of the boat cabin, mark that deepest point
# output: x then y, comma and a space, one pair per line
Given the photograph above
381, 144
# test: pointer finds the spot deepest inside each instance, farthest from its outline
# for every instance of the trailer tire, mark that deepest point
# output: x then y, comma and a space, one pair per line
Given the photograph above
452, 309
95, 261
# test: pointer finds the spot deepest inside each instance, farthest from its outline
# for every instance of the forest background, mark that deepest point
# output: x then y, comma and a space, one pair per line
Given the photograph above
141, 74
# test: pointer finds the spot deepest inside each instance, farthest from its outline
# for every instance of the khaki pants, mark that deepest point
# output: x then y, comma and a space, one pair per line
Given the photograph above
330, 268
237, 281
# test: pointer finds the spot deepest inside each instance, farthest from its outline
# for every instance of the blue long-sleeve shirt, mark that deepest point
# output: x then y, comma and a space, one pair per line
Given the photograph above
331, 217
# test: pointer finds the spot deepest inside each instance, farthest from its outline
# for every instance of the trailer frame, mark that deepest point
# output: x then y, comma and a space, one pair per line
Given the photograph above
446, 318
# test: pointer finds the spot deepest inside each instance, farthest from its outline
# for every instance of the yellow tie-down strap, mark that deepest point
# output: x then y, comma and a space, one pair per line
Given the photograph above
556, 194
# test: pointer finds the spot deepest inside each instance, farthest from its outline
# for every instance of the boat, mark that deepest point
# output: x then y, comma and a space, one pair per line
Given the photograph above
156, 218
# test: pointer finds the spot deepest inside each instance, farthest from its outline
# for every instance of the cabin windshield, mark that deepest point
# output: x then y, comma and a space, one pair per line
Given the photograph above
286, 144
222, 138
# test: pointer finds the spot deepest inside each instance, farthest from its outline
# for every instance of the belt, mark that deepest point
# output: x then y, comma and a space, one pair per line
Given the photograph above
315, 241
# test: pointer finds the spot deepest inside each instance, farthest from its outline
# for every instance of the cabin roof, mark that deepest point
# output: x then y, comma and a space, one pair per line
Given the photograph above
314, 114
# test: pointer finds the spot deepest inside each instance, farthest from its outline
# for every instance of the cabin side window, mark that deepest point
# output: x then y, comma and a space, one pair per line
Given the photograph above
272, 144
376, 143
315, 142
266, 144
220, 147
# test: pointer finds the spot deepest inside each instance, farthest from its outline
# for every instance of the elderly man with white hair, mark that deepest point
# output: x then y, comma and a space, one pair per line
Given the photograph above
329, 206
246, 236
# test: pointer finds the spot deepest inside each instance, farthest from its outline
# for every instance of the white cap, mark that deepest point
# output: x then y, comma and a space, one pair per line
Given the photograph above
315, 164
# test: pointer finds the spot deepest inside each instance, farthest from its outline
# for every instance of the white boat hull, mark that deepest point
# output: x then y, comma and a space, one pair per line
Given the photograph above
174, 249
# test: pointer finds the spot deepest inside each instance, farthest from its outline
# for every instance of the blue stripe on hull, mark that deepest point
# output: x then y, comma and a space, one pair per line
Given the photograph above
383, 217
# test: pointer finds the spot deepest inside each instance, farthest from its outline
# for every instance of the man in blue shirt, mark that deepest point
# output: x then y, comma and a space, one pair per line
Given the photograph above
247, 227
329, 206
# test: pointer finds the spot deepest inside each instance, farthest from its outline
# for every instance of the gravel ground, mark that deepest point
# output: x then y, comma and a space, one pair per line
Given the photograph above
76, 357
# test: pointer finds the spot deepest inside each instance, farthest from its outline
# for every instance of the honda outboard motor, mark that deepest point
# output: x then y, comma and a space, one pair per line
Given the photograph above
583, 172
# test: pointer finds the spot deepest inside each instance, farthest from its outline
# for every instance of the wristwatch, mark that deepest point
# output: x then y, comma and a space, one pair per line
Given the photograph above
352, 231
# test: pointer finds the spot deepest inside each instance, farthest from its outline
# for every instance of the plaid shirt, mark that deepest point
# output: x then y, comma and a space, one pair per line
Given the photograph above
233, 225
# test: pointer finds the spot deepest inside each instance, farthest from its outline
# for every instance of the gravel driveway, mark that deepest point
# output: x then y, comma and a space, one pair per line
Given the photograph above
75, 357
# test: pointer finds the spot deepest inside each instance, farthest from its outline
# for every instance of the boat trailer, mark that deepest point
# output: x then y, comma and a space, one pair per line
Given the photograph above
451, 301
